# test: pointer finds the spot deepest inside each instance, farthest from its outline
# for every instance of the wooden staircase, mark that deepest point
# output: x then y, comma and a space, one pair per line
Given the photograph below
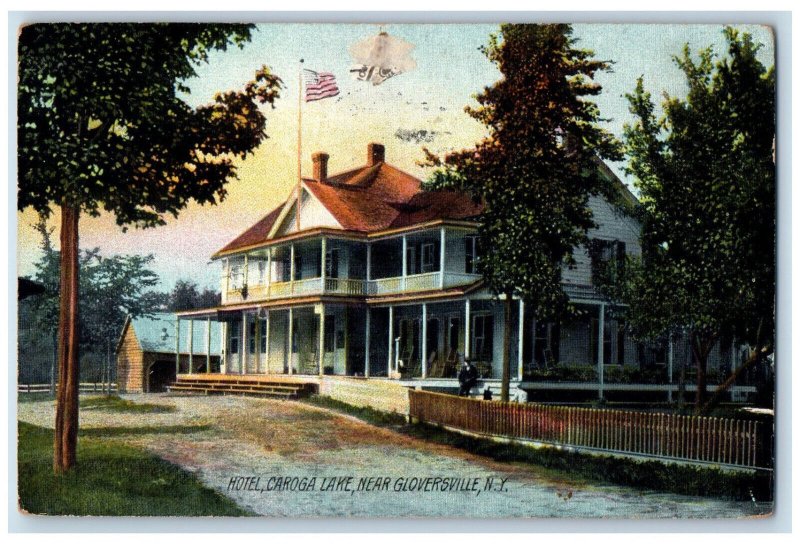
260, 386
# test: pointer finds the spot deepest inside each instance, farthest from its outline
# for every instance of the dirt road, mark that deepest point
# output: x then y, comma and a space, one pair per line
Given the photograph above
279, 458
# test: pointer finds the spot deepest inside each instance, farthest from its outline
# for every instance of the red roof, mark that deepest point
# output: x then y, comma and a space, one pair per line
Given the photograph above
371, 199
255, 234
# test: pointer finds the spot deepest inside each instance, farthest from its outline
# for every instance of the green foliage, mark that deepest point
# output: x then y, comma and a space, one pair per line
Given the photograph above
112, 480
111, 288
370, 415
634, 374
101, 124
187, 296
113, 403
563, 373
537, 167
706, 174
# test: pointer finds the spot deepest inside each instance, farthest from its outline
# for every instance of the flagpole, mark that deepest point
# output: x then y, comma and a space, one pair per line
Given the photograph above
299, 144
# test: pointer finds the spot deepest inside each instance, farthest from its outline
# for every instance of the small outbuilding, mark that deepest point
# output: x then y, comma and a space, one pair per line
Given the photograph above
145, 352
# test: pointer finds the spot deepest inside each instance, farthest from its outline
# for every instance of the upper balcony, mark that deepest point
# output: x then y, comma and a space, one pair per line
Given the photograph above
421, 261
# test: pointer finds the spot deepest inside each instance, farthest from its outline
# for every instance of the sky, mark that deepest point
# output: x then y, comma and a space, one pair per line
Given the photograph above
450, 70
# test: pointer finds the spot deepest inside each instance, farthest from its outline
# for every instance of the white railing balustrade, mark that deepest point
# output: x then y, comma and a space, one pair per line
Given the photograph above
459, 278
280, 289
422, 282
345, 286
311, 286
353, 287
385, 286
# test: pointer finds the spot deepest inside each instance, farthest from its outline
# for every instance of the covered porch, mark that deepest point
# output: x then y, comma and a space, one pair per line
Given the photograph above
305, 339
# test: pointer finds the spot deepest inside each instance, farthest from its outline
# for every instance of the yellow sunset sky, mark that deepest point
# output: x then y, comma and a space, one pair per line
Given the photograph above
450, 70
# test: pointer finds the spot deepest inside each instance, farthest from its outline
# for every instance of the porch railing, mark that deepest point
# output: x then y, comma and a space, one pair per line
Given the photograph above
347, 286
726, 441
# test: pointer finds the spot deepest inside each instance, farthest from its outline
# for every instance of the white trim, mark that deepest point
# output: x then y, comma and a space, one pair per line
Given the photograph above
296, 200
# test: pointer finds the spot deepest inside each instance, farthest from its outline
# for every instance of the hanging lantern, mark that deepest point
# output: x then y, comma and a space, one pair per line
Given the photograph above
380, 57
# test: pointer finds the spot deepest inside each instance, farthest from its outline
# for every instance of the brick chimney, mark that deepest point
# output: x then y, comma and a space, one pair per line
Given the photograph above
320, 161
375, 153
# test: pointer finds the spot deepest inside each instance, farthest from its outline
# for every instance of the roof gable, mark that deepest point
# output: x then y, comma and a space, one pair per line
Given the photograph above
313, 214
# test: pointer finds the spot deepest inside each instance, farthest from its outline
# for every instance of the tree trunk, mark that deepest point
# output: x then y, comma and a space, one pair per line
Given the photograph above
727, 384
701, 347
505, 385
66, 425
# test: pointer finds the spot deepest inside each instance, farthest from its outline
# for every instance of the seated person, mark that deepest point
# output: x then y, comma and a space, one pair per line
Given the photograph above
467, 378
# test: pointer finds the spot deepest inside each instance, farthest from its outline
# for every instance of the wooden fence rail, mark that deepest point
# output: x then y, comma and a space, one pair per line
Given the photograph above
690, 438
84, 387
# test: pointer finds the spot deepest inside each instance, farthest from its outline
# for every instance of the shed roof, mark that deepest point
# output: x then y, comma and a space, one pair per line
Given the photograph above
156, 333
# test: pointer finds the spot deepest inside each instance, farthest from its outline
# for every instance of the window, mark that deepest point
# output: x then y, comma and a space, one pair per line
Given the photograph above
411, 260
251, 337
263, 335
234, 337
471, 254
330, 331
298, 265
547, 343
428, 258
262, 272
237, 276
453, 334
286, 267
332, 263
621, 343
607, 332
294, 334
483, 336
602, 252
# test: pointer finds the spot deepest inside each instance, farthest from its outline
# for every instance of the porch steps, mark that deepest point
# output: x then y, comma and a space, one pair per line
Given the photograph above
230, 385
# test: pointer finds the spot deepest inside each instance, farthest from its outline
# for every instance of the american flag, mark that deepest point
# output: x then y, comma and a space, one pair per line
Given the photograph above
319, 85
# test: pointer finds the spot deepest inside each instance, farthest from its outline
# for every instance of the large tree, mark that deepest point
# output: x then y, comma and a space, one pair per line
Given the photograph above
705, 170
536, 169
102, 125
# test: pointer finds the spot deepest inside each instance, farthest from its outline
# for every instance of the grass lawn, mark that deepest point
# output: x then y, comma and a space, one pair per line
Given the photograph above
111, 479
113, 403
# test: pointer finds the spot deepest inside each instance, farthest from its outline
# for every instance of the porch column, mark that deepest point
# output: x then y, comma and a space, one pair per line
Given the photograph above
223, 345
442, 241
324, 250
369, 262
266, 355
227, 278
191, 346
291, 268
601, 328
424, 354
405, 264
366, 338
669, 366
520, 344
391, 341
177, 345
257, 320
291, 334
208, 345
467, 340
243, 350
321, 337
